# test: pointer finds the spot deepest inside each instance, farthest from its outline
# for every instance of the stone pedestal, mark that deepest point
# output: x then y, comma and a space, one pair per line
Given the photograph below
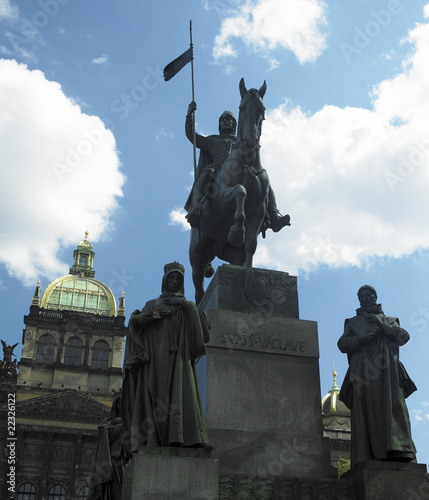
263, 409
171, 474
376, 480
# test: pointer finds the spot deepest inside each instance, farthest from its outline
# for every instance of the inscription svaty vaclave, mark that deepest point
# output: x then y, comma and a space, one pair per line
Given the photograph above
275, 335
235, 339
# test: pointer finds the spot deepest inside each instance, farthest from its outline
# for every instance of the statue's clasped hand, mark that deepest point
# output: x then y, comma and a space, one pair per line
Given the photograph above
370, 336
374, 319
177, 301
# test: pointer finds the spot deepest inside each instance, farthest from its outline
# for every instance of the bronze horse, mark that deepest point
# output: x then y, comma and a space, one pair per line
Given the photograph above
235, 206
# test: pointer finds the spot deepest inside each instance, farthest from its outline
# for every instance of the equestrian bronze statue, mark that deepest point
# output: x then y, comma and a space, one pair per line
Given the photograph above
234, 202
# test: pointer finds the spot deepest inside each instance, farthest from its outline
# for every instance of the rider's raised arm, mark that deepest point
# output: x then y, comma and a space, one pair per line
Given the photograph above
200, 140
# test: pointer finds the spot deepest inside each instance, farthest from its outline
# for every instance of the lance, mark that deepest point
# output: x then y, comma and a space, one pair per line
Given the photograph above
194, 135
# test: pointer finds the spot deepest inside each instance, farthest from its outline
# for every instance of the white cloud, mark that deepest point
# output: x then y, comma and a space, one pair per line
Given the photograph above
60, 173
8, 11
355, 181
102, 60
23, 36
162, 133
421, 415
387, 56
177, 218
19, 49
265, 25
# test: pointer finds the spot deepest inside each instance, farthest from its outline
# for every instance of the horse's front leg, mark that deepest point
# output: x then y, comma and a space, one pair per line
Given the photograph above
198, 279
252, 230
260, 190
237, 231
198, 266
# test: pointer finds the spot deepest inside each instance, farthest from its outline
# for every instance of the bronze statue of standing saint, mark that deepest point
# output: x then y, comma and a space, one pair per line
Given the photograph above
376, 384
161, 403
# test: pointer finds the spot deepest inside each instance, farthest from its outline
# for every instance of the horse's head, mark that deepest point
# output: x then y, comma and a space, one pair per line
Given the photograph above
252, 113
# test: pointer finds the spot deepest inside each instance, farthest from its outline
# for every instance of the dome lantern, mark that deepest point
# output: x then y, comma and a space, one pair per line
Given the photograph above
83, 259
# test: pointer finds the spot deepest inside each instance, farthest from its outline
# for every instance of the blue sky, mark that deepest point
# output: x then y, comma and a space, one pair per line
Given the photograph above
92, 138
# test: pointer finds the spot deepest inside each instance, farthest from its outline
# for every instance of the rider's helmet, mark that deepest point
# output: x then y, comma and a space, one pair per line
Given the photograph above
227, 113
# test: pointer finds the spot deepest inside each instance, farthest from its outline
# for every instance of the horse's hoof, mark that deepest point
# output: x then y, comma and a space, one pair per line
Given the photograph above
280, 223
208, 273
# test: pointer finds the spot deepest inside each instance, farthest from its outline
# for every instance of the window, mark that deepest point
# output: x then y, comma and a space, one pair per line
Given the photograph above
83, 261
100, 355
83, 493
73, 352
27, 491
57, 492
45, 349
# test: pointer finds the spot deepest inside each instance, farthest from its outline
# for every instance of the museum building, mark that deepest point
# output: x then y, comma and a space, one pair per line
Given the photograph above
69, 372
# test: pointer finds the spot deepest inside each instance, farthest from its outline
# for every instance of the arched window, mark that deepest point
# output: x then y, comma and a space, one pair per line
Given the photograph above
27, 491
45, 349
57, 492
73, 352
100, 355
83, 493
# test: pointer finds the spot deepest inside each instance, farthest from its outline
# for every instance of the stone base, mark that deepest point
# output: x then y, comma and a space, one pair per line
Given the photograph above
273, 454
237, 486
376, 480
171, 474
263, 410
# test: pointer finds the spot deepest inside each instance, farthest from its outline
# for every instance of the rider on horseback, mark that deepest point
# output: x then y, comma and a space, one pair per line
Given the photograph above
214, 151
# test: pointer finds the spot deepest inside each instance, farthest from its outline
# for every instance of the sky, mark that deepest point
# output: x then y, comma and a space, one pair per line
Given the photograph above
92, 138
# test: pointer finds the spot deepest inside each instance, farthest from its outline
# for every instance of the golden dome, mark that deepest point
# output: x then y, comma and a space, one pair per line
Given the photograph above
79, 290
79, 293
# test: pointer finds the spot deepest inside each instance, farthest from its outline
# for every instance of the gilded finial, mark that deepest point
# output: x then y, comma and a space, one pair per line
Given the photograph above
36, 297
334, 392
121, 308
334, 376
86, 235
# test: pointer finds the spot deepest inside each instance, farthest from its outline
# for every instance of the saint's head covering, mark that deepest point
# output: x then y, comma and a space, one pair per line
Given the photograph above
173, 267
